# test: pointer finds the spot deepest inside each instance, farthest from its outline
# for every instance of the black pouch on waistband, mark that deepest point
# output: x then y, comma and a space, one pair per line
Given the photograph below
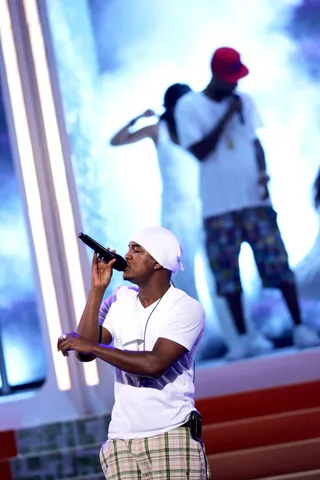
195, 425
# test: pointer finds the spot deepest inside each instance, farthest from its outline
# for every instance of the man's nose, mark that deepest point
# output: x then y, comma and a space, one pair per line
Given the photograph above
128, 255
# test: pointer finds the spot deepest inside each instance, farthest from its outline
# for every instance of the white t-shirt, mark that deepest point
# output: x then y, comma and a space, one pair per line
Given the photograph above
147, 407
229, 175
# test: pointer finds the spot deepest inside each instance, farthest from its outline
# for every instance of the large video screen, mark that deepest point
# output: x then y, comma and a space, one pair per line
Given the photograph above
115, 60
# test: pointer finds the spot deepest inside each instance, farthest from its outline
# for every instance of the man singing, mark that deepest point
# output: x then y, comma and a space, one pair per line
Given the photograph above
156, 329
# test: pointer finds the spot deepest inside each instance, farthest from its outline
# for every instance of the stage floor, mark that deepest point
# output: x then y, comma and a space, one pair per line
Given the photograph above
282, 367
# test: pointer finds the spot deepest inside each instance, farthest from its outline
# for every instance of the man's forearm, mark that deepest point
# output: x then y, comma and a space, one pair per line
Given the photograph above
89, 324
121, 138
260, 156
144, 364
202, 149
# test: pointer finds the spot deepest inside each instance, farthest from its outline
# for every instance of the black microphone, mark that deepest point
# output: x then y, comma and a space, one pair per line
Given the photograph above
105, 255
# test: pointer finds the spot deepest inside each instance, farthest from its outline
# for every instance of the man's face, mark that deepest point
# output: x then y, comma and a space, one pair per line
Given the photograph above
140, 264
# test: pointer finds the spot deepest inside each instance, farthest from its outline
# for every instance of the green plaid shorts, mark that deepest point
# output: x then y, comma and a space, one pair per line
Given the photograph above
171, 455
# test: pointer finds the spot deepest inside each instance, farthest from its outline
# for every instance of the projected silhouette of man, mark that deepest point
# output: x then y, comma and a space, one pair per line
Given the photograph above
219, 127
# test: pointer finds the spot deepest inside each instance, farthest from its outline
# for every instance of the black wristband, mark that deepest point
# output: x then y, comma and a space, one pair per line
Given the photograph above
130, 124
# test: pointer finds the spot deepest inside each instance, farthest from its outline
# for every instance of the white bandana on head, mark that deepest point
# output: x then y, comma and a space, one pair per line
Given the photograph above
162, 245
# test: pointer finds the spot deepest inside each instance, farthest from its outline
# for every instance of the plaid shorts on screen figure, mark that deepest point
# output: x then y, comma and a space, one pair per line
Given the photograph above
256, 226
173, 455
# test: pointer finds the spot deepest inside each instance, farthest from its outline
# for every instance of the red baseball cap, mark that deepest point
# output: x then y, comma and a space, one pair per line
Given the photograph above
226, 64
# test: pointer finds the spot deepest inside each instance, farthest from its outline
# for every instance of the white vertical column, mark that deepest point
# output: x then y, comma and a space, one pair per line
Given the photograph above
58, 172
40, 160
27, 169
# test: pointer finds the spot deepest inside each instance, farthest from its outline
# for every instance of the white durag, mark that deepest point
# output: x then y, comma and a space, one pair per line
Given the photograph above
162, 245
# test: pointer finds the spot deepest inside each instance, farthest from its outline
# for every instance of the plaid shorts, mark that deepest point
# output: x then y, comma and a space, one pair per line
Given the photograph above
171, 455
256, 226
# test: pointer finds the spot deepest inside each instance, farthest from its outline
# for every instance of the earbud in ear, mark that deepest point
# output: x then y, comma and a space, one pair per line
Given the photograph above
157, 267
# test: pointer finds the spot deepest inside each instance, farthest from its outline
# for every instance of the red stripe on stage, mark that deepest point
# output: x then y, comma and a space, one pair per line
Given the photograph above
257, 403
5, 470
8, 446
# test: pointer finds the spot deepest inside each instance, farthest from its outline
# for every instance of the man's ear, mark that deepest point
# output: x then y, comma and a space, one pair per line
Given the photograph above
157, 266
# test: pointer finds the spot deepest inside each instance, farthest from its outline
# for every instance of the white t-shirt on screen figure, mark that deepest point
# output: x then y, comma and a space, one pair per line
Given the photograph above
147, 407
229, 175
